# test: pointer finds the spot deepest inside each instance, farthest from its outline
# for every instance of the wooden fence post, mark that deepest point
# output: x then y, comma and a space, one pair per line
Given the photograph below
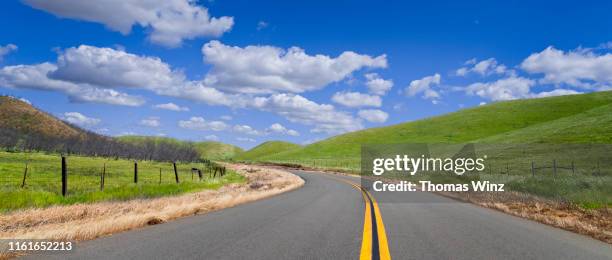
175, 172
25, 173
64, 177
102, 177
135, 172
159, 175
200, 174
532, 169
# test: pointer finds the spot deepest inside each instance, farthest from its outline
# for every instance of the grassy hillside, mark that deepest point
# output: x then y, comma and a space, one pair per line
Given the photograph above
592, 126
267, 149
16, 114
571, 119
207, 150
574, 118
217, 150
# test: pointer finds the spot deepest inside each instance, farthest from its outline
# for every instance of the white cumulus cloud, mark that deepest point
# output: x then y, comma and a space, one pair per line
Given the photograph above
483, 68
578, 68
356, 99
502, 89
246, 129
512, 88
373, 115
199, 123
377, 85
168, 22
36, 77
277, 128
424, 87
93, 74
171, 106
107, 67
269, 69
324, 117
80, 119
150, 122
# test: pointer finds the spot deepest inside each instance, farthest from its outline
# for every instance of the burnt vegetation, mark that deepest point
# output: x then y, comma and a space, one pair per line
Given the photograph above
27, 129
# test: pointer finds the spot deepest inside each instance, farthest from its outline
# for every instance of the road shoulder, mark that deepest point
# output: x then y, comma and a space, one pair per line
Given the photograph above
89, 221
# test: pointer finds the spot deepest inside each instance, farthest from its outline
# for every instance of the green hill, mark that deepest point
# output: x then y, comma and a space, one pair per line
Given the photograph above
207, 150
217, 150
592, 126
568, 119
269, 148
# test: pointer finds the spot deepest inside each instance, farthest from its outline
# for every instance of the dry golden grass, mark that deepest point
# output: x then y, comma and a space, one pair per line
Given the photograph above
88, 221
596, 223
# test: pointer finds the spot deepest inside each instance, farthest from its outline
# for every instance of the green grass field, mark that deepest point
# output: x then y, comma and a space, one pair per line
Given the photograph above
266, 149
585, 118
43, 180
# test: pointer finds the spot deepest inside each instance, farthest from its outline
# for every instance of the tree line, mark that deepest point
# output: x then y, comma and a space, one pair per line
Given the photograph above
91, 144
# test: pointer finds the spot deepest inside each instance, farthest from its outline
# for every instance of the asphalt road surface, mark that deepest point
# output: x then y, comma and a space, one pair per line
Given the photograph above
329, 218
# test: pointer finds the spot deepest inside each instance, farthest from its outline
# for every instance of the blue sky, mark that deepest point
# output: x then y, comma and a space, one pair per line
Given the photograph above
230, 69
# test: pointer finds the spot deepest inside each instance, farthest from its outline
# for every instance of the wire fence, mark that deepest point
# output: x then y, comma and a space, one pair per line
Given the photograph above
76, 175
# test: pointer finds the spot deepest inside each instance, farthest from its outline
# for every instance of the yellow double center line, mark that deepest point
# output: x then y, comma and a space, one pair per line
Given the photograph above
374, 243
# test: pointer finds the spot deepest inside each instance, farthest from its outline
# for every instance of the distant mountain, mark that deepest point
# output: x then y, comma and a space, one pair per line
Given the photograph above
269, 148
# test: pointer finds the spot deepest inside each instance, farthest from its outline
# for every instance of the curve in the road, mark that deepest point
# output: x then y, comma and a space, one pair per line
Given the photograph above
324, 220
374, 242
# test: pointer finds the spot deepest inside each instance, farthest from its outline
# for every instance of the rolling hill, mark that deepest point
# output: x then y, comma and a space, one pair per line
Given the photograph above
567, 119
23, 117
217, 150
207, 150
267, 149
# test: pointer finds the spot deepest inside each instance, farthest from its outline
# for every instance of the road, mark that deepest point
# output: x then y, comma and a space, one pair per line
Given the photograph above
328, 218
